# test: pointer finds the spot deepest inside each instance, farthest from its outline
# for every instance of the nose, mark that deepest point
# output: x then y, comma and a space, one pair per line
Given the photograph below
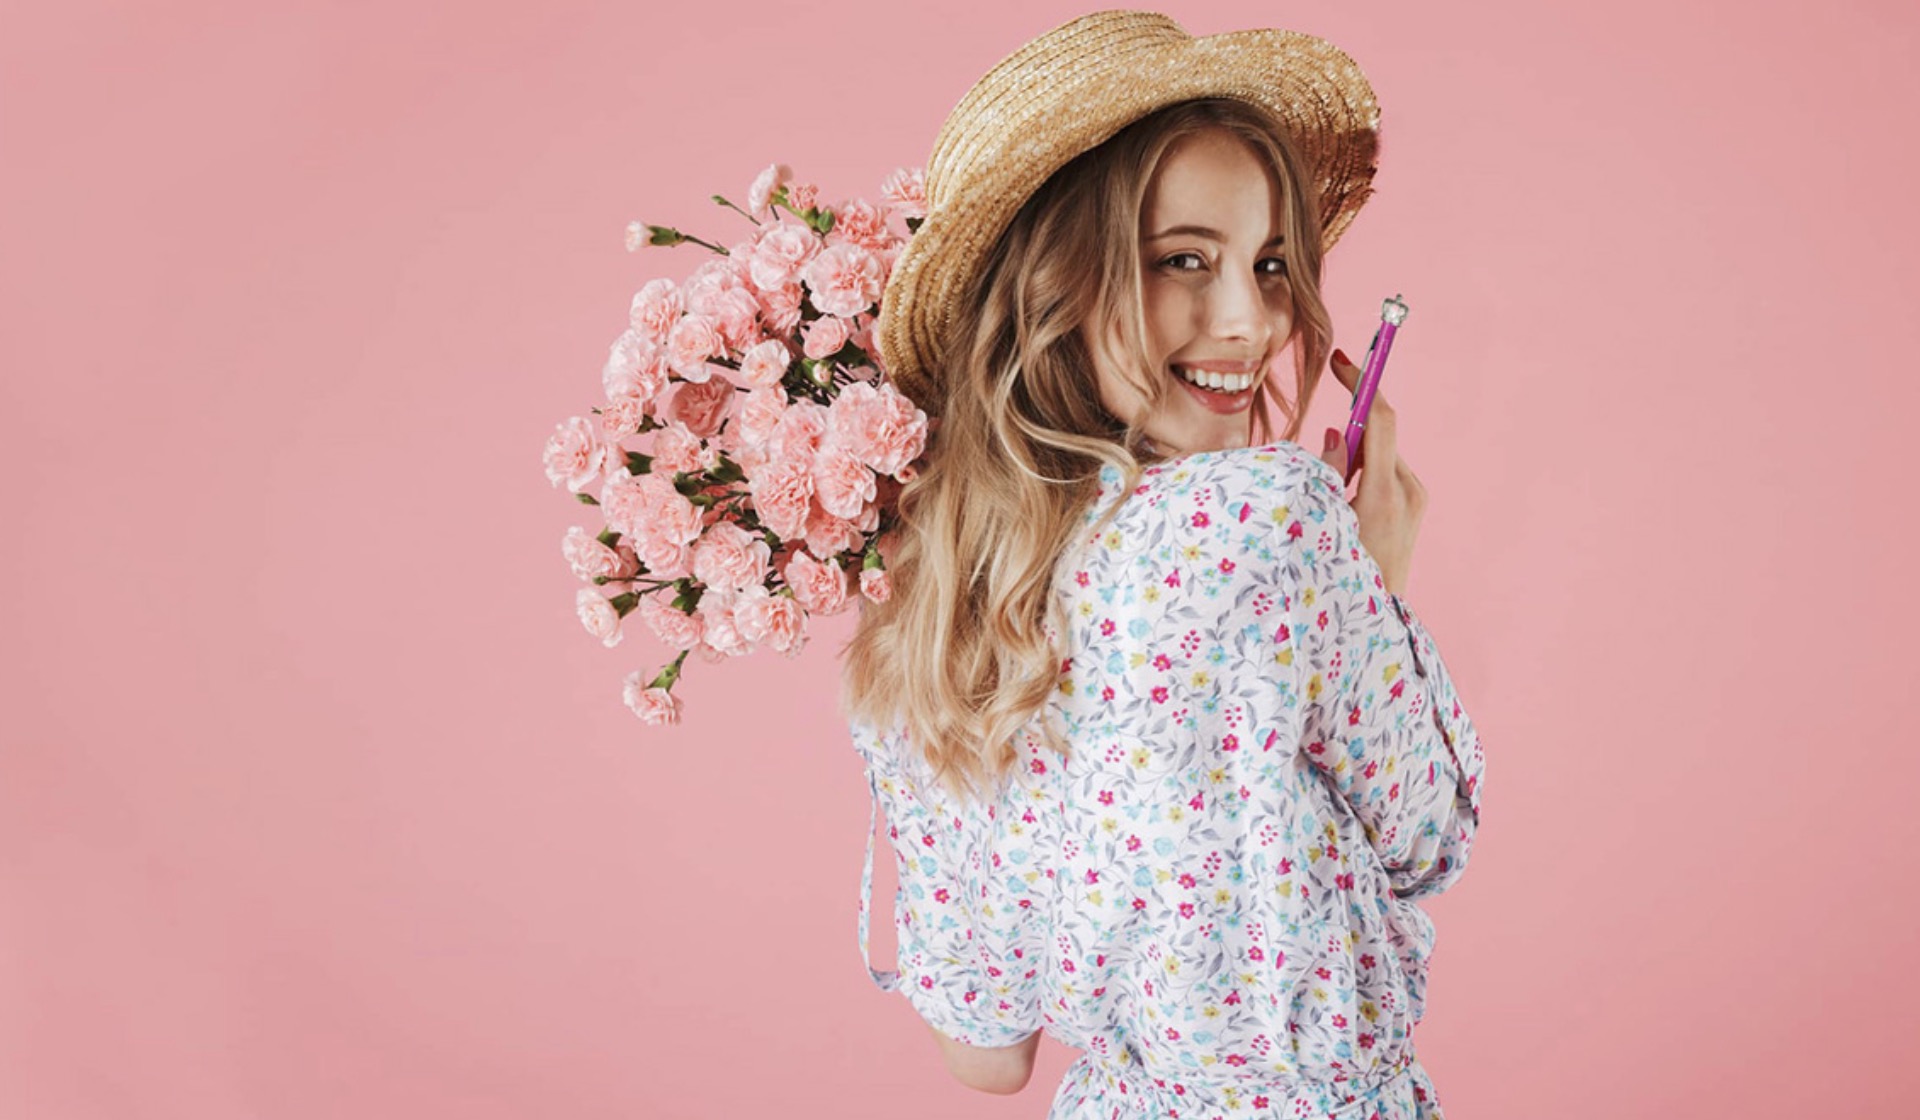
1239, 313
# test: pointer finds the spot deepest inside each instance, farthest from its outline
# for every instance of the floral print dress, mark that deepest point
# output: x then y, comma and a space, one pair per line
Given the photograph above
1215, 898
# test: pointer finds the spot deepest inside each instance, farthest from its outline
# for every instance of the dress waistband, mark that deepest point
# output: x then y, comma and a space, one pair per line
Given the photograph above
1100, 1087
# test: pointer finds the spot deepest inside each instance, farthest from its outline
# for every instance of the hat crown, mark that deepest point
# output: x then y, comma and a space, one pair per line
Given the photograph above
1041, 74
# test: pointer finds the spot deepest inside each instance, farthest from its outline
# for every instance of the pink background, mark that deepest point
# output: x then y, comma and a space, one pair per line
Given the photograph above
316, 801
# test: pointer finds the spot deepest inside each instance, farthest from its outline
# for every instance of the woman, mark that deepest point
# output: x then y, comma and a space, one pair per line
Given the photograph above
1167, 757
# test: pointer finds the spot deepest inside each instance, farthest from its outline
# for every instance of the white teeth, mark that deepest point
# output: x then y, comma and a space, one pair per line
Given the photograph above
1213, 379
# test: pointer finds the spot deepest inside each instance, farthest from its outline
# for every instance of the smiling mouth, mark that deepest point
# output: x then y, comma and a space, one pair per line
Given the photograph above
1225, 384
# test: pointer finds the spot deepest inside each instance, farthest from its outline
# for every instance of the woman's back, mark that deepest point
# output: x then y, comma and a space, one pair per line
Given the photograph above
1213, 896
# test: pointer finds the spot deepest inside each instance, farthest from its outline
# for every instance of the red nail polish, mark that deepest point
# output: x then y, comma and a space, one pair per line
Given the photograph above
1340, 356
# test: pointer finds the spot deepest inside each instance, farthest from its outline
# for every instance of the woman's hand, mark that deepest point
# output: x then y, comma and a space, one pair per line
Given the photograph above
1389, 502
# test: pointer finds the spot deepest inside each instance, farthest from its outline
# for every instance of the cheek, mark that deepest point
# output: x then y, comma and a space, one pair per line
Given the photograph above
1171, 311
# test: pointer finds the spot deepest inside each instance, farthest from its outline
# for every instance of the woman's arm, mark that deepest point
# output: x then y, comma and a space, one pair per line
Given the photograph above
1000, 1069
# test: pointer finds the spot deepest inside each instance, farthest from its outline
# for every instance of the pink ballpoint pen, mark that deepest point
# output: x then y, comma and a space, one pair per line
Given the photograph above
1392, 314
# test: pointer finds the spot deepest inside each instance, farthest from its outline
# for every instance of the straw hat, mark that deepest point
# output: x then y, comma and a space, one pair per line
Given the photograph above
1068, 91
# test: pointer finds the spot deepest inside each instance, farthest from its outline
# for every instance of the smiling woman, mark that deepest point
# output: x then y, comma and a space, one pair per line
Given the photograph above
1165, 760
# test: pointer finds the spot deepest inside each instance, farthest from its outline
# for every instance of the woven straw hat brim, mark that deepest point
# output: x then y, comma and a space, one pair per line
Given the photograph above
1073, 88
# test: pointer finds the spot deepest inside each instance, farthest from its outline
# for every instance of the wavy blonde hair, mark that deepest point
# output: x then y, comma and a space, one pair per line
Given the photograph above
960, 654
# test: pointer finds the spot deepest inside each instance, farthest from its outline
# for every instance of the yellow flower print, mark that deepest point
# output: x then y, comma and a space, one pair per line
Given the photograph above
1109, 824
1279, 515
1285, 656
1217, 775
1212, 1011
1112, 539
1173, 966
1315, 686
1368, 1011
1191, 552
1176, 813
1200, 678
1222, 896
1391, 671
1139, 757
1095, 897
1136, 660
1066, 686
1151, 593
1306, 596
1086, 609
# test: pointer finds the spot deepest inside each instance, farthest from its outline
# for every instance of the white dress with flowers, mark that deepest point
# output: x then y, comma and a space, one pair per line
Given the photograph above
1216, 897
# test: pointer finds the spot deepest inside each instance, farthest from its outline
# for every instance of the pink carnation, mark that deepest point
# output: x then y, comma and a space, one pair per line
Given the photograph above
757, 416
825, 336
798, 433
780, 308
635, 367
817, 585
675, 628
802, 196
620, 418
718, 630
875, 585
782, 493
736, 315
728, 556
763, 366
779, 254
764, 184
589, 558
907, 190
654, 706
769, 619
701, 405
600, 617
827, 535
649, 512
692, 340
677, 449
656, 307
845, 279
864, 224
878, 425
841, 482
575, 453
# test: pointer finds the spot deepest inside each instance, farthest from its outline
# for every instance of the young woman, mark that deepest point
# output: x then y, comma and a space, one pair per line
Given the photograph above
1167, 757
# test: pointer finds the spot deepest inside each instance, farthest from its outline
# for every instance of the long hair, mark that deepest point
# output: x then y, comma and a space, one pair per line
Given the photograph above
964, 652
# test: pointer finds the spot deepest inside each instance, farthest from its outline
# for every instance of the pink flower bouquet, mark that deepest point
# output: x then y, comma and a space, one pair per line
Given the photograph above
770, 442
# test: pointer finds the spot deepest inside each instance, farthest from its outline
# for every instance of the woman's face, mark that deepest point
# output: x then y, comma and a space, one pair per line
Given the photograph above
1216, 289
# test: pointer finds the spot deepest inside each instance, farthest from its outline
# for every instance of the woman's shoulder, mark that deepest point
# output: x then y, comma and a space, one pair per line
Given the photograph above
1258, 472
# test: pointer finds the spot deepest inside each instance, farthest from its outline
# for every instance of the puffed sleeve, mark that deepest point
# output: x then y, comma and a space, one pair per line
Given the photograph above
956, 967
1381, 719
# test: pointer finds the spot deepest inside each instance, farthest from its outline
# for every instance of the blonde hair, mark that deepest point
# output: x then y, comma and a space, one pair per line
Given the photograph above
960, 654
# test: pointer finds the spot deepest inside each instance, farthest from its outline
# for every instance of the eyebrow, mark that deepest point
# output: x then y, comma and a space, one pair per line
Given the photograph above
1210, 234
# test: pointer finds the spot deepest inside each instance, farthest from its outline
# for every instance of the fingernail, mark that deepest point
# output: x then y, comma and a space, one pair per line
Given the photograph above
1340, 356
1333, 437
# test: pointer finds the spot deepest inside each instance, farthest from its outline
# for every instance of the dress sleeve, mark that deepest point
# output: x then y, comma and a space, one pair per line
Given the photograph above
1382, 721
953, 968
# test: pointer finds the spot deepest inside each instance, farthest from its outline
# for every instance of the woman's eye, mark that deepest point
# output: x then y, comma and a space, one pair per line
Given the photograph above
1172, 262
